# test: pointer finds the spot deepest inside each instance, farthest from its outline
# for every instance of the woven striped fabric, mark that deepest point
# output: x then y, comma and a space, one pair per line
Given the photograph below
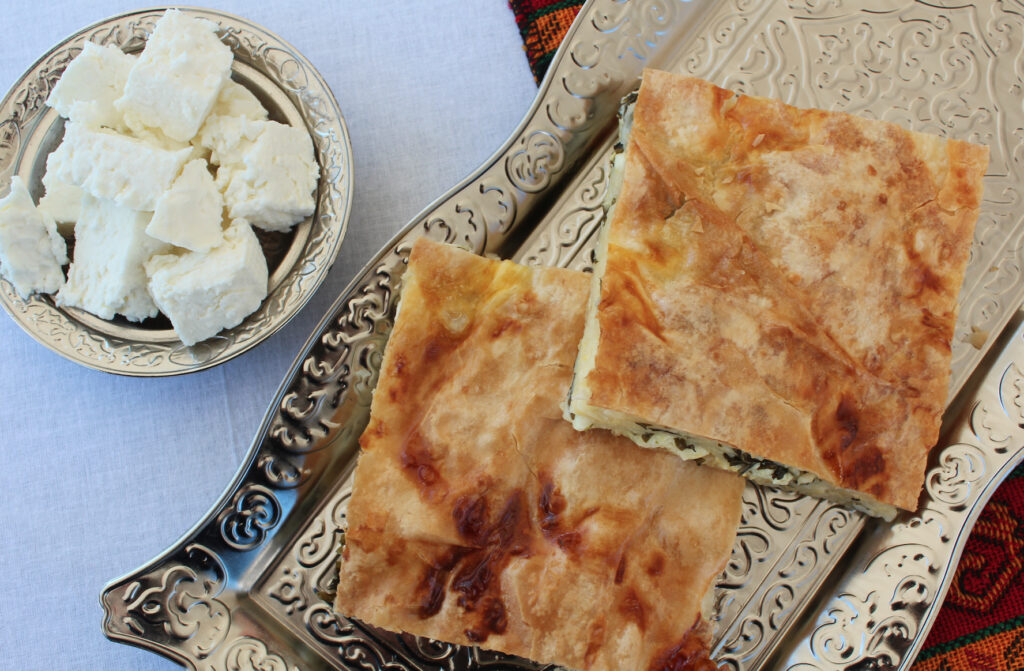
981, 624
542, 24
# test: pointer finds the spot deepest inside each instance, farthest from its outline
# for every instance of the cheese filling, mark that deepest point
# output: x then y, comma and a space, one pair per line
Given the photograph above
719, 455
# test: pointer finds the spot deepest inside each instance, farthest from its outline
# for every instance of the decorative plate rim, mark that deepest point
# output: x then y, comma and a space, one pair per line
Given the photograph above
321, 234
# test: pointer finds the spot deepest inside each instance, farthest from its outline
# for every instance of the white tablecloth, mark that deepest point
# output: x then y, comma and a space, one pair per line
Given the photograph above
100, 473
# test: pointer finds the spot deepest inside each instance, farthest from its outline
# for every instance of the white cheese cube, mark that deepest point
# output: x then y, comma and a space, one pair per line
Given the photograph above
31, 251
86, 92
224, 136
156, 137
203, 293
128, 171
238, 101
107, 275
189, 214
228, 123
176, 80
62, 200
269, 180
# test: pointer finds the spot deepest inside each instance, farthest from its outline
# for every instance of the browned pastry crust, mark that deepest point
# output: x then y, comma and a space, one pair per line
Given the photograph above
479, 516
784, 282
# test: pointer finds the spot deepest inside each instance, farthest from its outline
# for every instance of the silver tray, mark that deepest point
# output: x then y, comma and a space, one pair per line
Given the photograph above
293, 92
810, 585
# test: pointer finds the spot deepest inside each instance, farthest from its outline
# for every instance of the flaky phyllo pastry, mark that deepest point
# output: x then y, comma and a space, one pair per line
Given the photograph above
480, 516
777, 291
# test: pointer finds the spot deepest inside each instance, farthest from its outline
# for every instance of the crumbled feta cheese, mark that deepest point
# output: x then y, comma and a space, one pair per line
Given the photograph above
131, 172
31, 250
202, 293
106, 275
86, 92
189, 214
268, 180
178, 77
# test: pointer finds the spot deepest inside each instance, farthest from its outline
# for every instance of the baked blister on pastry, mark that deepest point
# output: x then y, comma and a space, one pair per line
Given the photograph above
479, 515
777, 289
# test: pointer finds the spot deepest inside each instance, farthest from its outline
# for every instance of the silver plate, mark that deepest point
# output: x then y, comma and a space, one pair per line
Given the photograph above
810, 585
293, 92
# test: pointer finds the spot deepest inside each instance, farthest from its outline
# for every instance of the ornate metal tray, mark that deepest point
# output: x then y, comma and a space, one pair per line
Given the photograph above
810, 585
293, 92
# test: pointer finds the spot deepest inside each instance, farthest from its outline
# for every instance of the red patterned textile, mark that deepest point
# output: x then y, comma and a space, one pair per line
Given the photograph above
981, 624
542, 24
